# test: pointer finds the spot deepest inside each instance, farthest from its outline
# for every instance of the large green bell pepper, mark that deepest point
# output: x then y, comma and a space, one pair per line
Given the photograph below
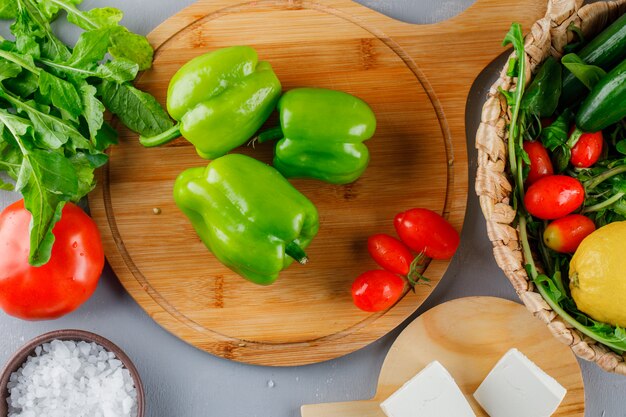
252, 219
219, 99
322, 133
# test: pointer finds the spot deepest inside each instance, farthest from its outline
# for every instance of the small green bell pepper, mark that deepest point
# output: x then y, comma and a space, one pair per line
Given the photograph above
248, 215
219, 99
321, 135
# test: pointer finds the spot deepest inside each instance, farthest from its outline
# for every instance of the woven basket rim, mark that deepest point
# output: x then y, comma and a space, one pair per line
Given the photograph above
547, 37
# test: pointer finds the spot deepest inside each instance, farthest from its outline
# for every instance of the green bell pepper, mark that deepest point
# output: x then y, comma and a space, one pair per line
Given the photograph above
219, 99
248, 215
321, 135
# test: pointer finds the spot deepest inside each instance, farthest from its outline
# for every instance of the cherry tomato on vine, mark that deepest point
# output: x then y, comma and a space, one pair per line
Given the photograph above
390, 253
377, 290
587, 150
61, 285
540, 163
425, 231
554, 196
565, 234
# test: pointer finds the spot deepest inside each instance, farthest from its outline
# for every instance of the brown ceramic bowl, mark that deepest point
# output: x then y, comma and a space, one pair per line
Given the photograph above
28, 349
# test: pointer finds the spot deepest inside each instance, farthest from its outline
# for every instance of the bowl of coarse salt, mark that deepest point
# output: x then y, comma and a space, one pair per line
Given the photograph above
70, 373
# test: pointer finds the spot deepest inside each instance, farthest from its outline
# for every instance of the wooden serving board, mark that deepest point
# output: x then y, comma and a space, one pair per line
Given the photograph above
416, 78
468, 336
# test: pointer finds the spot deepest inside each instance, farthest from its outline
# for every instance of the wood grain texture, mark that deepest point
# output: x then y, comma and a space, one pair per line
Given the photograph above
416, 78
468, 336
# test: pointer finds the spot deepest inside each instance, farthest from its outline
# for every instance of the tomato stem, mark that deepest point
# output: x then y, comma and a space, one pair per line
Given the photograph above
416, 269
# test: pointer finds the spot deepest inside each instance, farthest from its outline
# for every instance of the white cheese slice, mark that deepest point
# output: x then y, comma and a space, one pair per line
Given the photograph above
430, 393
516, 387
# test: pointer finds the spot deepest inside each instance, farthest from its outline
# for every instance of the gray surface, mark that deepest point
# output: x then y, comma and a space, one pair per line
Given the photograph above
185, 382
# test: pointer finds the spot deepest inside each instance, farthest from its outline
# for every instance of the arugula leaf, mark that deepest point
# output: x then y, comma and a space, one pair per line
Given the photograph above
61, 93
124, 44
104, 17
46, 180
555, 138
23, 61
85, 175
90, 48
8, 9
542, 95
6, 186
50, 10
24, 85
46, 210
38, 27
139, 111
588, 74
26, 34
8, 70
128, 45
58, 175
106, 137
93, 108
50, 131
120, 70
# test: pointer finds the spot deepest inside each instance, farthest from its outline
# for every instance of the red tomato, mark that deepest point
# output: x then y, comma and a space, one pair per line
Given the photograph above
377, 290
565, 234
587, 150
61, 285
540, 163
425, 231
554, 196
390, 253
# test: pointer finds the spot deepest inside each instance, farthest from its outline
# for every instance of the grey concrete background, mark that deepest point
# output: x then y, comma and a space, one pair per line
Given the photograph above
182, 381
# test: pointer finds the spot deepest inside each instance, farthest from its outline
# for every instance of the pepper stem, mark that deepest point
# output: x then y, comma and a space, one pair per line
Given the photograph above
270, 134
162, 138
296, 252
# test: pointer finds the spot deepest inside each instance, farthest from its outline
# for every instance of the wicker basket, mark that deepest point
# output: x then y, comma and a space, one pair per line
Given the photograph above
548, 36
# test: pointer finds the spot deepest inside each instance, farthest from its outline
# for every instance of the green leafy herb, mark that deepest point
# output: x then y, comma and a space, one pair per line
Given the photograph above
61, 93
124, 44
52, 129
587, 74
8, 9
137, 110
90, 49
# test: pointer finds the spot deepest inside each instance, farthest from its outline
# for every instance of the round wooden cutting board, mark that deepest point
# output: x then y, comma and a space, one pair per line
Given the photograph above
468, 336
416, 78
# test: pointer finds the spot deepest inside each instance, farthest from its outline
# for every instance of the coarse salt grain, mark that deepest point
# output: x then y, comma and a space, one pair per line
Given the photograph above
72, 379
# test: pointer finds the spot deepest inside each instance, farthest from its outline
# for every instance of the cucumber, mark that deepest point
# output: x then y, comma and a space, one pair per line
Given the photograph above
605, 51
606, 103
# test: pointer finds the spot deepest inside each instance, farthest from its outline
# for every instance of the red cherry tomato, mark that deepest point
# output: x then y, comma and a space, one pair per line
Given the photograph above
377, 290
587, 150
425, 231
390, 253
565, 234
540, 163
554, 196
62, 284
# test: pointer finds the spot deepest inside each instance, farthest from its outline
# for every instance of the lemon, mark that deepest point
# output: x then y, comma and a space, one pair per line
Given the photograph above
598, 274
